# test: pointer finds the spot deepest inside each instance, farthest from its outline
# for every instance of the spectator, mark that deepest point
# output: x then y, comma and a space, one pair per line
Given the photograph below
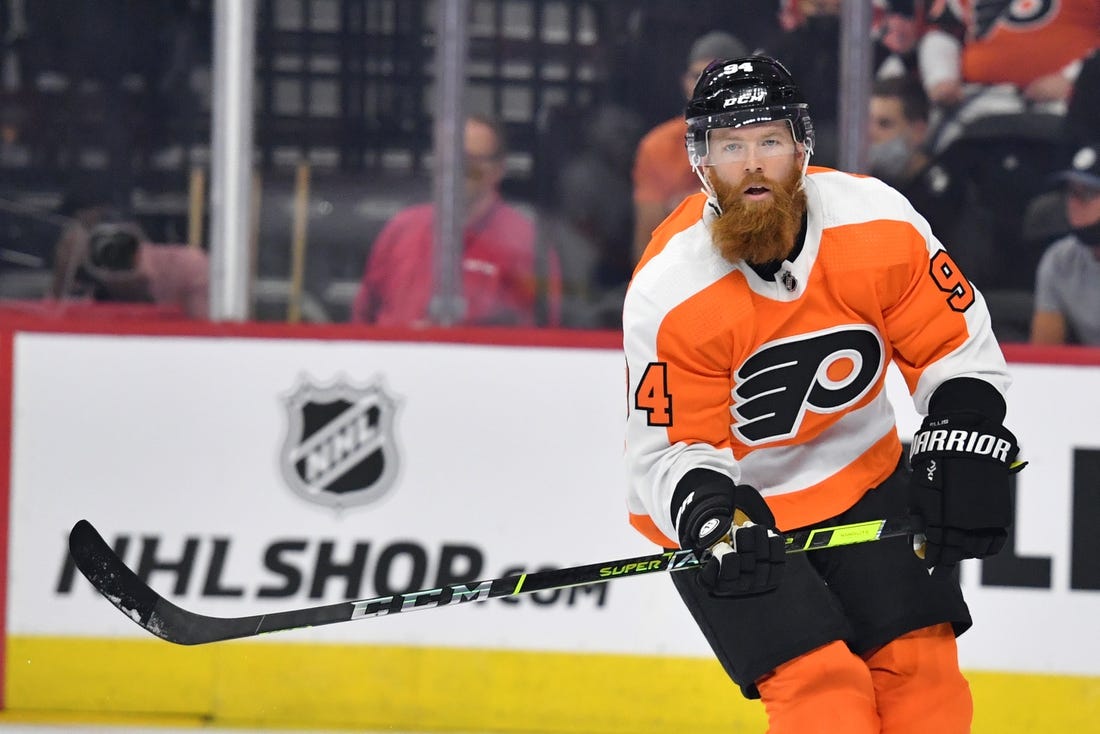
1067, 286
896, 27
500, 284
592, 220
898, 123
982, 57
84, 206
898, 128
662, 176
113, 262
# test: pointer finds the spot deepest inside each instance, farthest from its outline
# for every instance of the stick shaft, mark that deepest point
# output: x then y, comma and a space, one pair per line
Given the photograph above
138, 601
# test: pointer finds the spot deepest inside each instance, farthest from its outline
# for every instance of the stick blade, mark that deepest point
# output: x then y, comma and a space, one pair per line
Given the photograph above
134, 598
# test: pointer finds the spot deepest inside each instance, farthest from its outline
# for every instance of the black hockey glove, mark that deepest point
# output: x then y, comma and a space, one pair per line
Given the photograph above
737, 559
960, 486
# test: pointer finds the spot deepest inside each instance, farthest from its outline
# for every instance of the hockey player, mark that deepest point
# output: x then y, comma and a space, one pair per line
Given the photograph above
757, 329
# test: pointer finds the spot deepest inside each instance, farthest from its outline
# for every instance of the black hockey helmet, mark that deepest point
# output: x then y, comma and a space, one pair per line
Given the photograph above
743, 91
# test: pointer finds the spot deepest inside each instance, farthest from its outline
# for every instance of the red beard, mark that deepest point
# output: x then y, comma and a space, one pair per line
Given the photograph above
758, 232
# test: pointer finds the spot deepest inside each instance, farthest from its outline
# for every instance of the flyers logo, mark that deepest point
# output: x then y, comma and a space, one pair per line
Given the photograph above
823, 372
1017, 15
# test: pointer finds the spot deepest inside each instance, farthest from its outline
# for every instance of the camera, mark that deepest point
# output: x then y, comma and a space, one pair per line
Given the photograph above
112, 247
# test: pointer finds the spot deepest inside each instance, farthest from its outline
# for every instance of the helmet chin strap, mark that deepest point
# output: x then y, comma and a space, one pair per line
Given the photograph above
806, 153
708, 188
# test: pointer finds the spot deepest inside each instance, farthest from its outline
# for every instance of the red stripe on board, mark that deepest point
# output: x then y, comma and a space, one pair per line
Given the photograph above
567, 338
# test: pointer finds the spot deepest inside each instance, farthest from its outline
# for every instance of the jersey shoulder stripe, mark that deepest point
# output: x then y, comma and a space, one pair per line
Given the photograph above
853, 199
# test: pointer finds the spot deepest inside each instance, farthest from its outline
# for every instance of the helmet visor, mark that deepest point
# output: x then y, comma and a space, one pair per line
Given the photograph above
721, 145
717, 139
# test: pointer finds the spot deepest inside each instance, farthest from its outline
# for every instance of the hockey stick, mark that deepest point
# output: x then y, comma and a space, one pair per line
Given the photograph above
134, 598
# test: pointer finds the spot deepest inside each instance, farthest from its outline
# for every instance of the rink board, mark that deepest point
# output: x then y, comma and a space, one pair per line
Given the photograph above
499, 457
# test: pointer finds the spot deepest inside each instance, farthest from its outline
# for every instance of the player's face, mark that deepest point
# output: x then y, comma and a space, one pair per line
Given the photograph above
1082, 205
762, 210
754, 158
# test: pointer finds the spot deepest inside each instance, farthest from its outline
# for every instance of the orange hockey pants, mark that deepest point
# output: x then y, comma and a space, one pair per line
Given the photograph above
910, 685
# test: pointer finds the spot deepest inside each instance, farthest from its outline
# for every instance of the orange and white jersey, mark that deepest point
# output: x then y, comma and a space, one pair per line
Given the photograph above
780, 384
1018, 41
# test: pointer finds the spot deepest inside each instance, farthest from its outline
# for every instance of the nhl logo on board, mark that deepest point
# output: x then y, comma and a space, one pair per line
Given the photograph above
340, 448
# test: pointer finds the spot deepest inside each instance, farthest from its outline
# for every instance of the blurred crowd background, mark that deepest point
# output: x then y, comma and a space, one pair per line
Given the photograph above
105, 144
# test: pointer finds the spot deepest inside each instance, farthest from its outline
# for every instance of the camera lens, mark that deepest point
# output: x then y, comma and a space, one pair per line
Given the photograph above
112, 248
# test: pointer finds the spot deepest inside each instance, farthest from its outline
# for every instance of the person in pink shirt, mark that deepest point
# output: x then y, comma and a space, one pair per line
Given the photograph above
115, 263
501, 285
